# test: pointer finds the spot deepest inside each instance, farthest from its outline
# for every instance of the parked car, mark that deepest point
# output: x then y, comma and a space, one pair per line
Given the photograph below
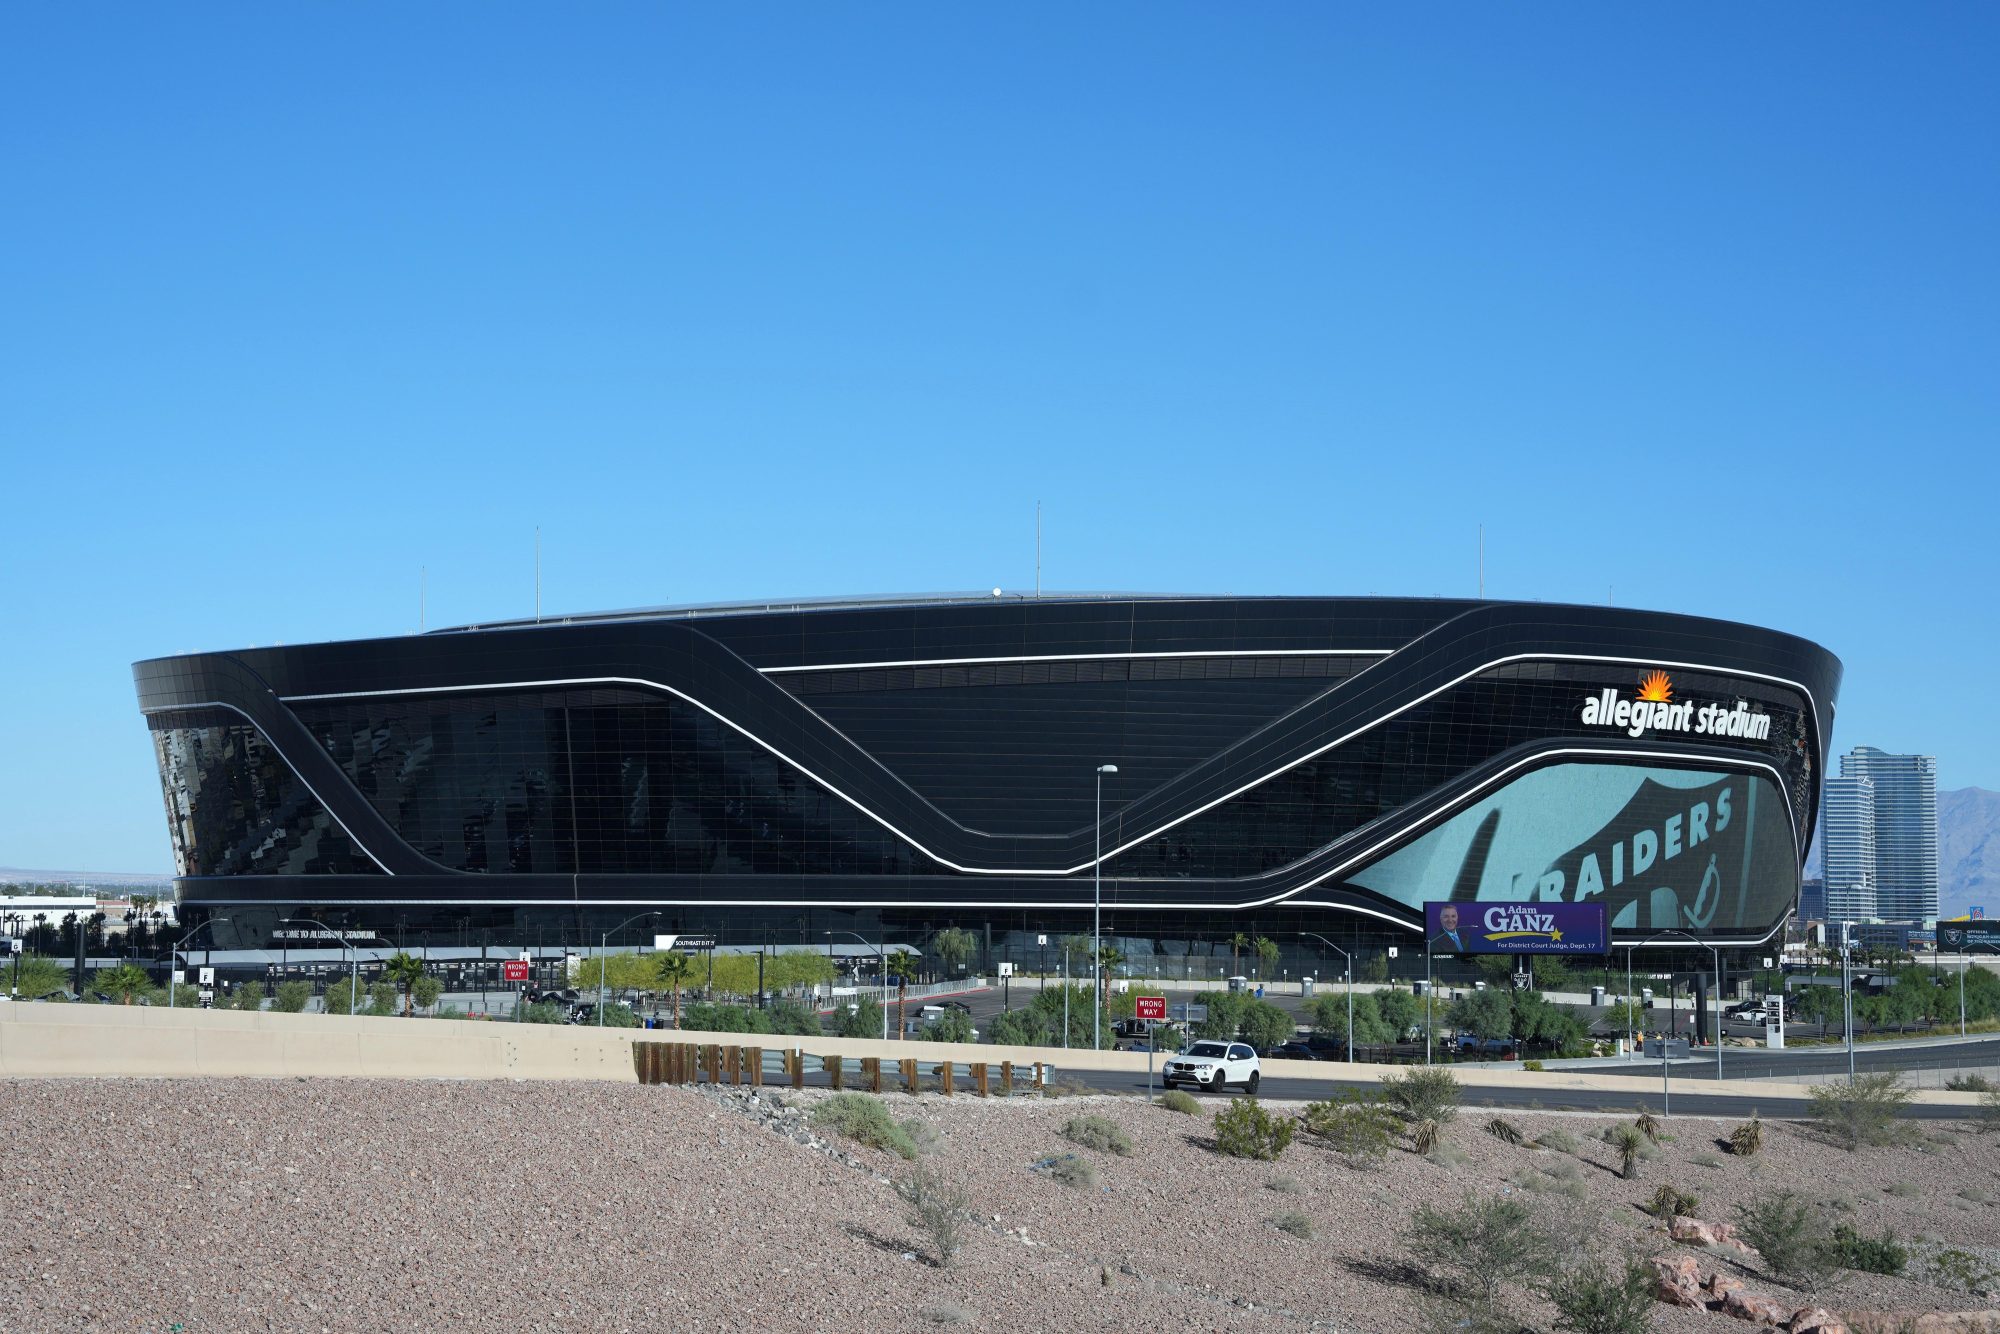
1488, 1049
1291, 1051
1213, 1066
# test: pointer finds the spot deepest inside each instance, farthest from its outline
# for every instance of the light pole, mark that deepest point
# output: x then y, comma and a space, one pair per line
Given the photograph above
1348, 963
1631, 1009
1717, 955
603, 943
1097, 917
1847, 997
353, 959
174, 953
885, 974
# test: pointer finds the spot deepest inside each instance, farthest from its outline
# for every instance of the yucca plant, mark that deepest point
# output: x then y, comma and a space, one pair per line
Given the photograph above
1627, 1143
1505, 1131
1424, 1135
1747, 1138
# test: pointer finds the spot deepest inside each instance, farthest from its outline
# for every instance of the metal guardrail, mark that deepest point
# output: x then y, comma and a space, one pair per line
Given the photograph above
769, 1067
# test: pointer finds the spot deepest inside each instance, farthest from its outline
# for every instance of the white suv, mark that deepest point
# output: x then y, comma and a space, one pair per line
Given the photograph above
1212, 1065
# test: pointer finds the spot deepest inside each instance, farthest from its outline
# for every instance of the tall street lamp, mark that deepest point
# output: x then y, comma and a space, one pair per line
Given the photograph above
885, 974
1097, 916
353, 959
174, 953
1349, 964
604, 943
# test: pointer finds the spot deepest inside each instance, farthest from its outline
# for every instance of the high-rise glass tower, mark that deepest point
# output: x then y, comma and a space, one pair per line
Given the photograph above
1849, 831
1904, 800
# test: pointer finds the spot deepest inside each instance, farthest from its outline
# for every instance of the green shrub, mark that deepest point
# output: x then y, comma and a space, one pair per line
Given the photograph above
1424, 1093
865, 1120
1178, 1100
1964, 1271
1482, 1242
1557, 1139
1071, 1170
1862, 1111
705, 1018
1531, 1065
1283, 1185
249, 996
548, 1012
794, 1017
951, 1026
425, 991
1265, 1025
1354, 1124
617, 1015
1989, 1111
1969, 1084
1245, 1130
1849, 1249
1748, 1138
1602, 1297
292, 997
1788, 1234
1669, 1200
1295, 1223
1094, 1132
863, 1021
1505, 1131
938, 1208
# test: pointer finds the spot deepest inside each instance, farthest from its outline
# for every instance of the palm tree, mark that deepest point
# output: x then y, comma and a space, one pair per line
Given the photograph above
1267, 954
902, 963
676, 970
125, 981
1237, 944
404, 969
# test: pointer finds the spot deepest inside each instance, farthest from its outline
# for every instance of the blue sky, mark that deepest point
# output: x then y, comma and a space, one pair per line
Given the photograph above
1694, 306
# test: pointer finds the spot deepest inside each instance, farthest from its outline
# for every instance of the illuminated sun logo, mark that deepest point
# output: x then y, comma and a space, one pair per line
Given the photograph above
1656, 687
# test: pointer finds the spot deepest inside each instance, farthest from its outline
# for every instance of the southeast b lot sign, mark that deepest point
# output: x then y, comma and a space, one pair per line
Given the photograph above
1516, 928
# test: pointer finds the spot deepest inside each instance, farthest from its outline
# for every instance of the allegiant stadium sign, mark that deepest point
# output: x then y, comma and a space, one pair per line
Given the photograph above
1655, 708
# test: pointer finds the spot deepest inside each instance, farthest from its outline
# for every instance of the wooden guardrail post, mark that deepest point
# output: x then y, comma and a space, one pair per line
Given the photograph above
714, 1052
909, 1064
734, 1063
944, 1078
754, 1058
1041, 1078
671, 1061
798, 1062
871, 1066
836, 1068
979, 1080
1007, 1078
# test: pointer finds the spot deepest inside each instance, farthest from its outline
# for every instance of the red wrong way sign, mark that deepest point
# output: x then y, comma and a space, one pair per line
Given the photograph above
1152, 1007
514, 971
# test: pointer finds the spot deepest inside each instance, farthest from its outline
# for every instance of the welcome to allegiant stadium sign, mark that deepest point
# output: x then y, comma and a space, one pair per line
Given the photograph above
1655, 708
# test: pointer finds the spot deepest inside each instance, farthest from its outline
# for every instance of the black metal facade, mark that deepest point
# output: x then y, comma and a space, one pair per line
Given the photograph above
778, 773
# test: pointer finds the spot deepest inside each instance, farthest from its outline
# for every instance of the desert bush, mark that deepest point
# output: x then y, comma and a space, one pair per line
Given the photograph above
1669, 1200
951, 1026
547, 1012
1071, 1170
1850, 1249
1353, 1124
947, 1313
865, 1120
1964, 1271
1706, 1159
1788, 1234
938, 1208
1482, 1242
1748, 1138
1295, 1223
1989, 1111
1627, 1143
1094, 1132
1969, 1084
1557, 1139
1531, 1064
1603, 1297
1904, 1190
922, 1134
1244, 1129
292, 997
1179, 1100
1446, 1154
1423, 1094
1505, 1131
1862, 1111
1283, 1185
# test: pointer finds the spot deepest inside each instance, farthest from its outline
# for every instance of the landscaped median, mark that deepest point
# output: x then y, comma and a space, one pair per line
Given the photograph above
101, 1040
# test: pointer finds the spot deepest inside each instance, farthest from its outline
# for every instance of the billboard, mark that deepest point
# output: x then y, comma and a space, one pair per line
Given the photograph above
1658, 848
1976, 935
1516, 928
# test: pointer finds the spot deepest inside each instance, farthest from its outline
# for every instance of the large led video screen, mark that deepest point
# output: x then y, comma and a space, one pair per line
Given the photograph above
1699, 851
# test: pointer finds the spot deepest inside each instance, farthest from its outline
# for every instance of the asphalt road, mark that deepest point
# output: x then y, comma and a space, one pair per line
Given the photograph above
1741, 1063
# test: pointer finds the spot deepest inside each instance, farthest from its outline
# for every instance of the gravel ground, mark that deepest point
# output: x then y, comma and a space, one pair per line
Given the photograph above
362, 1205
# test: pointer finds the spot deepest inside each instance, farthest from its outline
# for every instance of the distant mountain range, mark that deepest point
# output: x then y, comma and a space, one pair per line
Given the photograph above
95, 879
1968, 851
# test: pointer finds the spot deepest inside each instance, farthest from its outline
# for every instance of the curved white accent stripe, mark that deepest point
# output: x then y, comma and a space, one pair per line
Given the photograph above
1089, 657
271, 741
1129, 843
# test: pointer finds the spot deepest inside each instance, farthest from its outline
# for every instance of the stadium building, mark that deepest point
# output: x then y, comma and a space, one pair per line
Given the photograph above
1286, 768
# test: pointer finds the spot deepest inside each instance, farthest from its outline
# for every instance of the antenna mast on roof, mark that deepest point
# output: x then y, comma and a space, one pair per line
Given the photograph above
538, 574
1038, 548
423, 593
1482, 562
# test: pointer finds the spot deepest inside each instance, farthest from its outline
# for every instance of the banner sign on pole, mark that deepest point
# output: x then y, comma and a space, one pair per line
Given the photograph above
1516, 928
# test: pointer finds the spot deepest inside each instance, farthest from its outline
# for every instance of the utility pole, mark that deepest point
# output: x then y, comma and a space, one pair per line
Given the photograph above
1038, 548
